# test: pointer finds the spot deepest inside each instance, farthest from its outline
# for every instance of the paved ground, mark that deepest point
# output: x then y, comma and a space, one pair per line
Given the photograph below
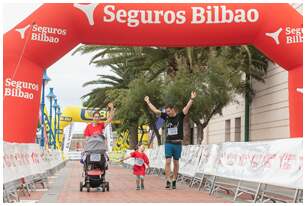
64, 187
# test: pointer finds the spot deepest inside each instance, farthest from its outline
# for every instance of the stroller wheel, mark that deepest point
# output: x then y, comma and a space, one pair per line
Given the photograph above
88, 187
107, 187
103, 188
81, 186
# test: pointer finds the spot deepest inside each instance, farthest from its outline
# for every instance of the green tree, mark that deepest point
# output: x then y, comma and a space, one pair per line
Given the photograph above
217, 73
131, 109
128, 64
123, 69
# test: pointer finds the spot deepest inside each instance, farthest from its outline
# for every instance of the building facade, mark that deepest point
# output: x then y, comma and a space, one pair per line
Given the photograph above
269, 110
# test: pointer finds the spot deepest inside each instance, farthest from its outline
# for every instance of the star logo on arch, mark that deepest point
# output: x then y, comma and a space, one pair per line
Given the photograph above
275, 35
88, 10
22, 31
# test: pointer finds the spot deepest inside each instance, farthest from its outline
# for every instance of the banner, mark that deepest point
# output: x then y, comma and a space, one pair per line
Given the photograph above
153, 157
209, 159
108, 133
277, 162
161, 161
185, 155
22, 160
191, 163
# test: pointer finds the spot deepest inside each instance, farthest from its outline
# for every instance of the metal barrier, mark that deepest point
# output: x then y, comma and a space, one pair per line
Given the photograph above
74, 155
27, 184
207, 159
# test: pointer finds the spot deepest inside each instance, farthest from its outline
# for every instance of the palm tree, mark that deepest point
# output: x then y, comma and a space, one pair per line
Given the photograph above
222, 67
123, 72
128, 64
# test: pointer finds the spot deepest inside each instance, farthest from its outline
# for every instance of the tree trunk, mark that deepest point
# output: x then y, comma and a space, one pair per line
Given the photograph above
153, 127
200, 128
187, 130
142, 134
133, 136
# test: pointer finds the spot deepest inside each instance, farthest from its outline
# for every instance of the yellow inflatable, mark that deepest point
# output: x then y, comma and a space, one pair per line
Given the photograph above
122, 141
81, 114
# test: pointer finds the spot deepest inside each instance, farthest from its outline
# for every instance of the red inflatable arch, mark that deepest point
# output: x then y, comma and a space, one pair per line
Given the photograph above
55, 29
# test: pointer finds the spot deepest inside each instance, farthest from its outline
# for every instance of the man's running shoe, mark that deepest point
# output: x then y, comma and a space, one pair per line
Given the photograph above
168, 185
174, 184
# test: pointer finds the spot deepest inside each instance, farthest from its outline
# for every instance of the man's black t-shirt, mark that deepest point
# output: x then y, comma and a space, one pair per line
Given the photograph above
174, 126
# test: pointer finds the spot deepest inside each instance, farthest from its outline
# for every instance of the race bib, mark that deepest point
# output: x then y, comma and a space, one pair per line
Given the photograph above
95, 157
139, 162
172, 131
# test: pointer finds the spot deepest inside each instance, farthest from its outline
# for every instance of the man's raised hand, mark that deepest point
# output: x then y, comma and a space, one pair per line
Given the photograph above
147, 99
110, 105
193, 94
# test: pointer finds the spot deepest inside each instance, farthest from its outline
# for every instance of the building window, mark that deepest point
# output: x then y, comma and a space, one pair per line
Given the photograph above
227, 130
238, 129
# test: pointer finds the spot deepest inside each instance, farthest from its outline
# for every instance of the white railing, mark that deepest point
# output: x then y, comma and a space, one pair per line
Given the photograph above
22, 160
277, 162
74, 155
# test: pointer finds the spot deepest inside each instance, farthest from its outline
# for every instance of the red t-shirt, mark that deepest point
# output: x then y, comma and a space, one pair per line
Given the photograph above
94, 130
140, 159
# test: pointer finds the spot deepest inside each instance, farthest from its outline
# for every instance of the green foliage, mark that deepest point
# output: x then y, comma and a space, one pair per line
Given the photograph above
168, 75
177, 91
130, 102
211, 86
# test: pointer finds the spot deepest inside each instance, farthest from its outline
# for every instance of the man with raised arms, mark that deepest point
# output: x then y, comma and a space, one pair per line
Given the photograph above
174, 135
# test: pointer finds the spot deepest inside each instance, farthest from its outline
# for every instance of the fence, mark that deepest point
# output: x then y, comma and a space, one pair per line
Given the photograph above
24, 165
241, 167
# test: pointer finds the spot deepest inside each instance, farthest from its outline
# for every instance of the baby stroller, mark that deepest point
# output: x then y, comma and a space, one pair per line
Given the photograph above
95, 164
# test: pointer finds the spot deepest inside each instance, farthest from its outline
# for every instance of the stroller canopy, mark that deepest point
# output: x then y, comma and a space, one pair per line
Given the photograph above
96, 143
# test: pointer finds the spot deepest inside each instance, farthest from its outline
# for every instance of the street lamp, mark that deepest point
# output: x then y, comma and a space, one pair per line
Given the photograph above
50, 96
55, 106
46, 79
58, 122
